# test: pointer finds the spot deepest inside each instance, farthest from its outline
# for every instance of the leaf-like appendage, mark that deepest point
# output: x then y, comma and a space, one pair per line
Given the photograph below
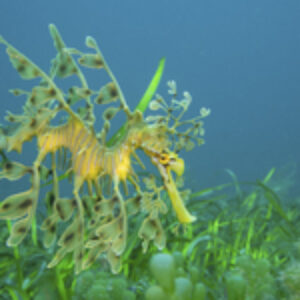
19, 232
17, 205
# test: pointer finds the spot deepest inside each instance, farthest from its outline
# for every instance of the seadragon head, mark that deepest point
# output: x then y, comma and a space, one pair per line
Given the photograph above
156, 138
166, 162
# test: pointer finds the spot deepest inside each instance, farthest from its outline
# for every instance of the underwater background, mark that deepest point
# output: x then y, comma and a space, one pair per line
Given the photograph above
239, 58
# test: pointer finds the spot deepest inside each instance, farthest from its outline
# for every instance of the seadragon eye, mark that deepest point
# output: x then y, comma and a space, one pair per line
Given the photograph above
164, 158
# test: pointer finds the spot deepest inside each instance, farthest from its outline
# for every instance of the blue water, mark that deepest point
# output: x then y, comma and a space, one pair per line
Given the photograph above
239, 58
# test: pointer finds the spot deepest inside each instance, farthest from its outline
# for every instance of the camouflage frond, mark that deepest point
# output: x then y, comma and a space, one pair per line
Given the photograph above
14, 170
17, 205
19, 231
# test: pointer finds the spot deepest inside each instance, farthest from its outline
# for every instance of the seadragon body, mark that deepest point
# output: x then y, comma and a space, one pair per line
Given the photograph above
92, 160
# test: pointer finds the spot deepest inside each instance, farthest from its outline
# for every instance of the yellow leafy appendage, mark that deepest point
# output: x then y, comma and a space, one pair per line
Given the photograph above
92, 165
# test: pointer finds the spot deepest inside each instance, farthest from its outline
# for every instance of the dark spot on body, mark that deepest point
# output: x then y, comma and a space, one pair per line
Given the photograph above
32, 100
87, 92
108, 116
60, 211
137, 199
21, 68
113, 91
153, 223
74, 204
69, 237
36, 73
16, 92
94, 238
52, 228
98, 62
11, 119
22, 229
97, 208
25, 204
115, 199
84, 204
62, 68
6, 206
33, 123
51, 199
52, 92
8, 166
99, 99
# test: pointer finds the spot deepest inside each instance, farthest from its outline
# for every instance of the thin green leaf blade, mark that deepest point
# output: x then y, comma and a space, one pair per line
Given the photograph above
152, 87
144, 102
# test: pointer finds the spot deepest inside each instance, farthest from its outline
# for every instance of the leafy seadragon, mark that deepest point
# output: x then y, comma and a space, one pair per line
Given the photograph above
93, 160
